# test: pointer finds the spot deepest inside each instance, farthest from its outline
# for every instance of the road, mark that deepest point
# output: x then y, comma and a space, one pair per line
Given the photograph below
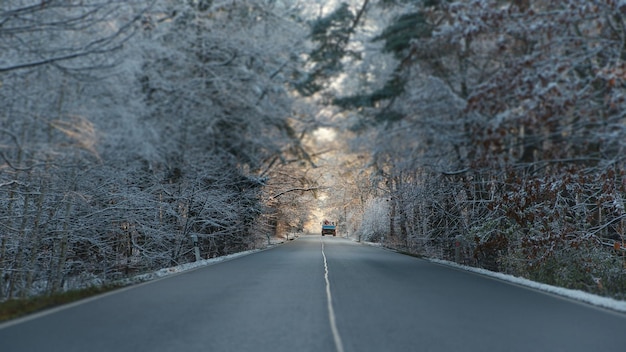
321, 294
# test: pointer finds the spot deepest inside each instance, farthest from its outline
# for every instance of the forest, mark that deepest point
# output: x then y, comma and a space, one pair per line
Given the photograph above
486, 132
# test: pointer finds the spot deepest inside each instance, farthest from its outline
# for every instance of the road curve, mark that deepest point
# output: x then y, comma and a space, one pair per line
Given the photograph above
321, 294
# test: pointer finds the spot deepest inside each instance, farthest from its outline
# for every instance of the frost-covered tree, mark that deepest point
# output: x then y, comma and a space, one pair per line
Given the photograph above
129, 127
502, 122
216, 88
375, 222
47, 141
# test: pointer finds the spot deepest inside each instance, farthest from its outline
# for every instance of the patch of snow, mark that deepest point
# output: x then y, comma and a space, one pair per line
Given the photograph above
193, 265
183, 267
599, 301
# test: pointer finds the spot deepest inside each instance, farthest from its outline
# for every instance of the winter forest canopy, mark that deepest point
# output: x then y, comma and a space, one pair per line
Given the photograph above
487, 132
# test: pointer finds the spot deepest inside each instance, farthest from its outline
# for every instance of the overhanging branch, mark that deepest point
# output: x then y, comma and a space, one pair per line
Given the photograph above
296, 189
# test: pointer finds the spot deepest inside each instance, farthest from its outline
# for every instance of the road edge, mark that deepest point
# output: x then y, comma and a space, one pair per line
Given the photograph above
137, 281
596, 301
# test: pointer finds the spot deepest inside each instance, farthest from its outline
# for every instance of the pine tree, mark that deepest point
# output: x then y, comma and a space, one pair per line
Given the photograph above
331, 34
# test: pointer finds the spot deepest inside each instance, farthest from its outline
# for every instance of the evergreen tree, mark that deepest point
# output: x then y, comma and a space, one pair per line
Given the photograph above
331, 35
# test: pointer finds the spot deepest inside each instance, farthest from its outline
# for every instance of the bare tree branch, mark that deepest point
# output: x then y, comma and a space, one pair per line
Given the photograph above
296, 190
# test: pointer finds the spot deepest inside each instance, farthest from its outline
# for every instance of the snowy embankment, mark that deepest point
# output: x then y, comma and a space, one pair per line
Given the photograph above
182, 268
190, 266
599, 301
581, 296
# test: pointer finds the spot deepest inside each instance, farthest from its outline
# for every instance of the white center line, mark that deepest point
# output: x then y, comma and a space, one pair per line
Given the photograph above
331, 311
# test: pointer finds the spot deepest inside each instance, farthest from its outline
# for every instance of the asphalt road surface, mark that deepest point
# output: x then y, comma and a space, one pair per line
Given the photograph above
321, 294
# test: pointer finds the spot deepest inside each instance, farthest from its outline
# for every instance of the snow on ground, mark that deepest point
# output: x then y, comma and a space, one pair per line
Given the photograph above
581, 296
604, 302
190, 266
183, 267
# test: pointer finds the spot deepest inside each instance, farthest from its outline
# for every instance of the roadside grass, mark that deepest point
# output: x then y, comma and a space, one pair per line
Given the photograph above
15, 308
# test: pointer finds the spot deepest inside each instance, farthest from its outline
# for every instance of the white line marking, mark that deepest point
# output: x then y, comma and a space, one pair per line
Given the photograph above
331, 311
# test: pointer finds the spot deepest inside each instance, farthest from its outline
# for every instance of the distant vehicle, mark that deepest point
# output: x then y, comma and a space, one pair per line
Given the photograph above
329, 228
